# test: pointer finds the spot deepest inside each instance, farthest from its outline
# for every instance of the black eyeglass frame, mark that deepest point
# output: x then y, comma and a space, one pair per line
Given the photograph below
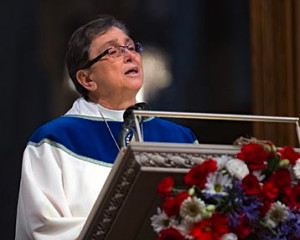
138, 48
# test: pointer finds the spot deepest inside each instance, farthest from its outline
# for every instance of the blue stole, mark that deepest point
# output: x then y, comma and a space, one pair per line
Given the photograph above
91, 138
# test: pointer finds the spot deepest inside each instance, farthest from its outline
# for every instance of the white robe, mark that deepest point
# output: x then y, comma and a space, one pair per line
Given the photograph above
57, 189
60, 181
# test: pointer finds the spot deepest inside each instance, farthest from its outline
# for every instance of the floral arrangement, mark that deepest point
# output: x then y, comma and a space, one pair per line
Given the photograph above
255, 195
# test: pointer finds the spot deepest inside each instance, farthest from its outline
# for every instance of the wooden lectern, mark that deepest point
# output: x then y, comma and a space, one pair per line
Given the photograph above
129, 199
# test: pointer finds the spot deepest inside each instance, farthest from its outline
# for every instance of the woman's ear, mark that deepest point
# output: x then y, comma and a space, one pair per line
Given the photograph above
83, 77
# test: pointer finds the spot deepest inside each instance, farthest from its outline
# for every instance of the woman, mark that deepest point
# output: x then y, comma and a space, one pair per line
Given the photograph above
67, 160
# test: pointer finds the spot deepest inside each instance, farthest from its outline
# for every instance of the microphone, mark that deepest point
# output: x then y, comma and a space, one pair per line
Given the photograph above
128, 125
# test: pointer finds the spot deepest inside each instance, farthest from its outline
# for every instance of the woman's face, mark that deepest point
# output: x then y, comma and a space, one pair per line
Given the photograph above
117, 79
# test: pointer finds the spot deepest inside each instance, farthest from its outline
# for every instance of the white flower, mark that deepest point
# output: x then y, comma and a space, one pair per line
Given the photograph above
184, 228
216, 184
229, 236
197, 160
237, 168
191, 209
161, 221
296, 169
276, 214
259, 175
221, 161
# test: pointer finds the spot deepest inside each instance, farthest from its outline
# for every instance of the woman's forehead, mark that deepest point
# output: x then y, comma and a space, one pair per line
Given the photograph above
111, 36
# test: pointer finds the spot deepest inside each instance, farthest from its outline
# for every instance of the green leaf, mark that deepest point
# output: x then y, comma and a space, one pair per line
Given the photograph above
272, 165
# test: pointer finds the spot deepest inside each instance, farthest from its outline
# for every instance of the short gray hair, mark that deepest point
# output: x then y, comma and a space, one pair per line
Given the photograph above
78, 46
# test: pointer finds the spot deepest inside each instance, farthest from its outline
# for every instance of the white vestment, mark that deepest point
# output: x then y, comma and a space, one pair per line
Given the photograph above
57, 189
66, 163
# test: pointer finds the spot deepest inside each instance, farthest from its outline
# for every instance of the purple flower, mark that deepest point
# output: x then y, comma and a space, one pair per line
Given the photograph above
290, 228
252, 209
239, 204
287, 230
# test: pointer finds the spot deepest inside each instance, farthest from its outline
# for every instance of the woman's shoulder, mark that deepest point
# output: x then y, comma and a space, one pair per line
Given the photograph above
59, 127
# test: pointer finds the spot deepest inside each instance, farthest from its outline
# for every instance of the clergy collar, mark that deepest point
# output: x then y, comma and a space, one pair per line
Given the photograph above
91, 109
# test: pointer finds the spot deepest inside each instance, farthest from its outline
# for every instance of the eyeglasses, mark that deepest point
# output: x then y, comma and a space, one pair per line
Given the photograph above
116, 51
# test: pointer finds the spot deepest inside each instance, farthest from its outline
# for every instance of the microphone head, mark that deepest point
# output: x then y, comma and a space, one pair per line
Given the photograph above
142, 106
129, 124
139, 106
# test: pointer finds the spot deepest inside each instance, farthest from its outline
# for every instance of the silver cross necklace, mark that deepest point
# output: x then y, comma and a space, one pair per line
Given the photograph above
110, 132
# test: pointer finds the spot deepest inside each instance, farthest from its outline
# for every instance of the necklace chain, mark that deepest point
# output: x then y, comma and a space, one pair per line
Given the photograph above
110, 132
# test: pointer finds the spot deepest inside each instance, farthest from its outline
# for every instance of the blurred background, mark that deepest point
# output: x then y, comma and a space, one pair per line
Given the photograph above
209, 56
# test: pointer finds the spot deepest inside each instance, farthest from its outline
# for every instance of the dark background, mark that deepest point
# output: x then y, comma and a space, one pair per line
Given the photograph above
206, 41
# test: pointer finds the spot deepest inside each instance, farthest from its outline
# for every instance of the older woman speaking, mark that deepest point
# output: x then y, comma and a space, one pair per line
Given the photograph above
68, 159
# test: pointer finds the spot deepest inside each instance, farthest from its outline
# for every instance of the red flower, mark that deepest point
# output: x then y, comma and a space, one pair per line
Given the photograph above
251, 185
254, 156
281, 178
266, 207
198, 174
269, 190
295, 196
210, 228
164, 188
286, 196
171, 205
289, 153
243, 229
181, 197
170, 234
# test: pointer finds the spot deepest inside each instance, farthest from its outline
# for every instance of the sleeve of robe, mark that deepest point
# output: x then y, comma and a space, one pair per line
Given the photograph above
57, 192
